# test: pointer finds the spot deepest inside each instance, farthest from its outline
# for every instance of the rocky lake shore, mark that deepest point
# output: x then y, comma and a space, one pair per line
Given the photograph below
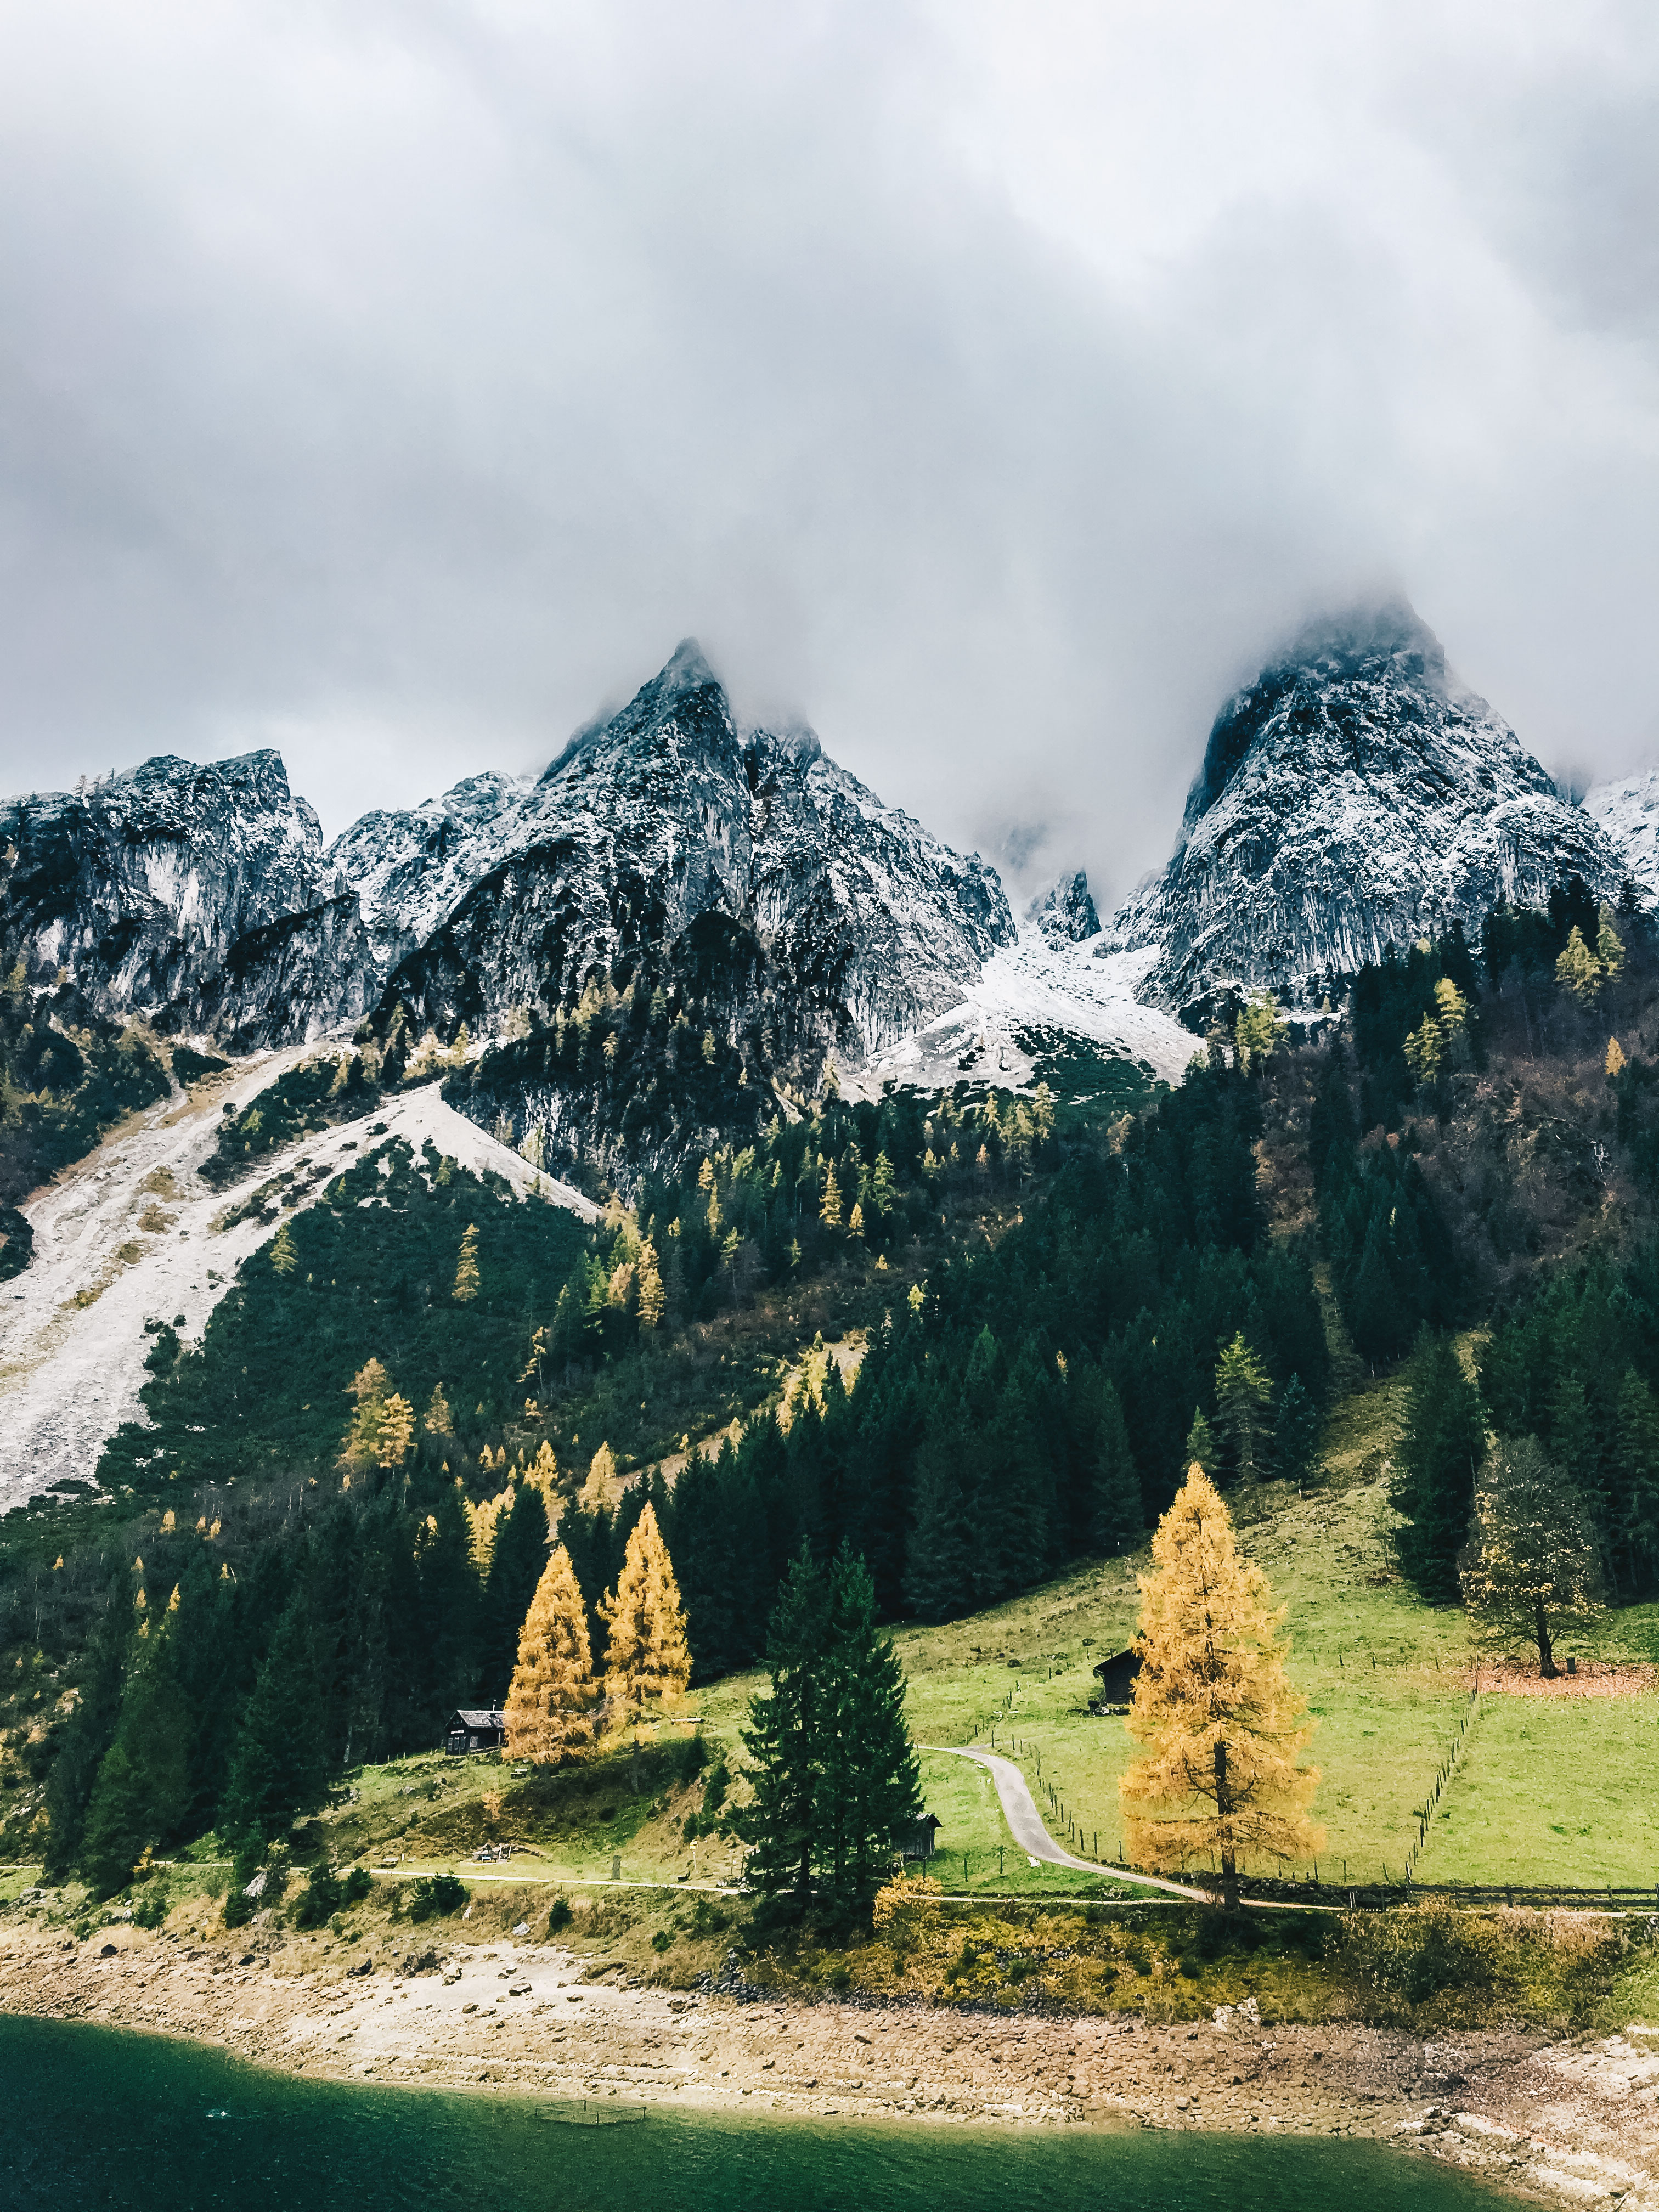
1573, 2122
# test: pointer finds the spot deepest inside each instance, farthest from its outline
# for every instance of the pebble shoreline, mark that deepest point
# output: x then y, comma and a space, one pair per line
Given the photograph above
1549, 2121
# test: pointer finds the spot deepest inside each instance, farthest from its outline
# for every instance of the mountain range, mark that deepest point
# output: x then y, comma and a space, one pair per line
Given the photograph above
1355, 795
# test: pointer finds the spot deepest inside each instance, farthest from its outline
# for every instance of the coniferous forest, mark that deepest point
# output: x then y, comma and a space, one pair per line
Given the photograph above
328, 1553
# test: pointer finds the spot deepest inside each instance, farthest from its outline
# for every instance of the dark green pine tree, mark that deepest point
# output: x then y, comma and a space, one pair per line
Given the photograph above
1441, 1447
785, 1742
451, 1605
1373, 1309
203, 1635
1296, 1434
90, 1733
515, 1568
699, 1547
1118, 1520
869, 1785
279, 1773
1637, 1465
143, 1792
938, 1561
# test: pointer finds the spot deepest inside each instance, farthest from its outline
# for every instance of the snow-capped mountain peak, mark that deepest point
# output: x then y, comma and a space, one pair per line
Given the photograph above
1355, 795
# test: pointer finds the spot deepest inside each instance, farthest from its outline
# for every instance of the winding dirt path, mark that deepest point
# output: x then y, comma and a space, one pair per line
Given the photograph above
1026, 1824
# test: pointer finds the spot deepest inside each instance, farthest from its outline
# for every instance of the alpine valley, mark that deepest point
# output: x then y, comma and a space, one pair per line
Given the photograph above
686, 933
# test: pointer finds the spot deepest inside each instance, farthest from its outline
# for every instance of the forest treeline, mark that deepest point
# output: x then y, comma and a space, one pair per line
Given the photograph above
1036, 1400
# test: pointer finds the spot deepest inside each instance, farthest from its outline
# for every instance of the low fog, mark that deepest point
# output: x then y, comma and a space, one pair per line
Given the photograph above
991, 387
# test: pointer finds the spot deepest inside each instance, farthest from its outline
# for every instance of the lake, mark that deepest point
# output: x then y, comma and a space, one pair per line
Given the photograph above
94, 2117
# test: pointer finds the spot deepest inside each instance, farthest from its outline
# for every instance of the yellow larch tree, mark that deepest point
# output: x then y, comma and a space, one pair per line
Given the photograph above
466, 1268
647, 1659
550, 1707
1219, 1724
601, 1477
439, 1421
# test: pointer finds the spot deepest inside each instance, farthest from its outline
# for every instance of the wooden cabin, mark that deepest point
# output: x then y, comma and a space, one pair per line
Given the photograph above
923, 1842
1116, 1678
475, 1728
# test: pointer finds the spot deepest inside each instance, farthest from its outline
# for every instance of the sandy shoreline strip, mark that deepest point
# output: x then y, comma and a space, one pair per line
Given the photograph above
1551, 2122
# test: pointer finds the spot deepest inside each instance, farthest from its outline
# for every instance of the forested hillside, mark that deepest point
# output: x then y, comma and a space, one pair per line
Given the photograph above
339, 1516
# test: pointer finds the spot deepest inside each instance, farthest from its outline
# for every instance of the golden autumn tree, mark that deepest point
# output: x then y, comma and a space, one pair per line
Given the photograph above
647, 1658
439, 1420
1220, 1725
383, 1427
466, 1268
601, 1478
550, 1707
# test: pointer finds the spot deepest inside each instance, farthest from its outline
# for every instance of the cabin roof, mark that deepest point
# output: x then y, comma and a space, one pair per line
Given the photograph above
478, 1716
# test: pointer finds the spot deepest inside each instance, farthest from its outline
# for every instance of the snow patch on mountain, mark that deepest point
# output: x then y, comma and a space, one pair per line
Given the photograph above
1025, 987
1628, 813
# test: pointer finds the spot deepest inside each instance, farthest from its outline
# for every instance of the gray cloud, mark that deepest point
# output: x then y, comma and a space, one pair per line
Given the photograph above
990, 387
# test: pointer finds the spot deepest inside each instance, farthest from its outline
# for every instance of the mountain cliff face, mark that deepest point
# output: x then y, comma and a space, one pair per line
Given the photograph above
500, 900
1065, 913
735, 873
197, 897
1628, 813
1356, 795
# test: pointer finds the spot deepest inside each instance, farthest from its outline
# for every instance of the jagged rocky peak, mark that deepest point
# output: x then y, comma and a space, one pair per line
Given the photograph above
648, 819
197, 897
1065, 913
1356, 794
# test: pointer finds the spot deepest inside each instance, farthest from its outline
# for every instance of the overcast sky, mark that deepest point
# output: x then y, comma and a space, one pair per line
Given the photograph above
991, 386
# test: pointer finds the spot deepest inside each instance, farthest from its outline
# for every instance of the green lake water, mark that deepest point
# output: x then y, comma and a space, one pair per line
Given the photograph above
93, 2118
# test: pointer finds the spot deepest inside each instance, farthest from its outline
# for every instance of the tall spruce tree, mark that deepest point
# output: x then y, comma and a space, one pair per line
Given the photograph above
869, 1789
1296, 1434
90, 1733
142, 1791
1442, 1445
1117, 1518
784, 1740
278, 1773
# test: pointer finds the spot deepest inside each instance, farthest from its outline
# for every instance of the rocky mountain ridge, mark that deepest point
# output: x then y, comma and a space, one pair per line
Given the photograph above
201, 899
1356, 795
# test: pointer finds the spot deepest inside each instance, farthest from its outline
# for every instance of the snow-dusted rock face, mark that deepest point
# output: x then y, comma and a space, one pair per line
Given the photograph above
501, 896
201, 898
1356, 795
1629, 815
197, 897
1065, 913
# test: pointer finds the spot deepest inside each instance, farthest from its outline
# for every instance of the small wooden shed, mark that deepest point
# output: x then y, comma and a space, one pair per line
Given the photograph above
475, 1728
923, 1841
1116, 1678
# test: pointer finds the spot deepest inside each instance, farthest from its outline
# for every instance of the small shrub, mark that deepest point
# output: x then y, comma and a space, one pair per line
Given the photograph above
559, 1915
152, 1905
662, 1941
436, 1895
319, 1900
714, 1789
239, 1907
356, 1886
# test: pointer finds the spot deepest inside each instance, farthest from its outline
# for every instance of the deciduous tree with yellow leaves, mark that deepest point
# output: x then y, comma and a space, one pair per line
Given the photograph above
647, 1659
1219, 1724
551, 1705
